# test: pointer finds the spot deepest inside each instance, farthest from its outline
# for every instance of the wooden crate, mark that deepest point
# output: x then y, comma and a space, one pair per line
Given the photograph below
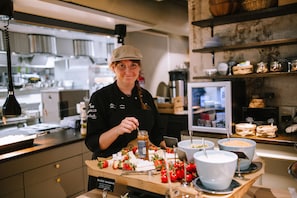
176, 106
286, 2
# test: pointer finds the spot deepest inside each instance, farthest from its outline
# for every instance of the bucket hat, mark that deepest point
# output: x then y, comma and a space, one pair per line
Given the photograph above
126, 52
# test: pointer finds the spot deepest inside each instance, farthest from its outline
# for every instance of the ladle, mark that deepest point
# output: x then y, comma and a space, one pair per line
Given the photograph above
241, 155
204, 149
191, 136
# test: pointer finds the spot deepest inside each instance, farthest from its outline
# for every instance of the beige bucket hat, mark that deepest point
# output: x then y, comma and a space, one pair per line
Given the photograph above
126, 52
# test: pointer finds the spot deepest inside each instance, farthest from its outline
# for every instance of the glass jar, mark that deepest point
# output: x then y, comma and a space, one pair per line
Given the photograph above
143, 144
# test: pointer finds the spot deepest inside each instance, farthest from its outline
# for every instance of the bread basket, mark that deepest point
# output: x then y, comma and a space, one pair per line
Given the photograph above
250, 5
237, 70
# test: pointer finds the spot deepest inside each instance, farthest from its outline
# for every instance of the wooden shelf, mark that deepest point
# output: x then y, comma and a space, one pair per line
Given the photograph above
247, 45
253, 75
247, 16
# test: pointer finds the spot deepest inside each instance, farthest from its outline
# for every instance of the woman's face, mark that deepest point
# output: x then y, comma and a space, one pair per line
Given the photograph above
126, 71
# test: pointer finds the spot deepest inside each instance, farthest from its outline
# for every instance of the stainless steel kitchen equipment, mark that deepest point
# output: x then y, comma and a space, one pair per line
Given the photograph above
178, 83
57, 103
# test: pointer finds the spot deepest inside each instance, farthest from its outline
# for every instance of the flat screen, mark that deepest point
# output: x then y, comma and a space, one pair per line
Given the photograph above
209, 107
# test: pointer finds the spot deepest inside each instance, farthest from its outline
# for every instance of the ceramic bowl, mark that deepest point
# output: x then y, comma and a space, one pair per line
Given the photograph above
210, 72
190, 149
216, 170
247, 146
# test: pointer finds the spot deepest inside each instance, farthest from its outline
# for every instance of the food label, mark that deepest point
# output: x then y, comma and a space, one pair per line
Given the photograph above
141, 149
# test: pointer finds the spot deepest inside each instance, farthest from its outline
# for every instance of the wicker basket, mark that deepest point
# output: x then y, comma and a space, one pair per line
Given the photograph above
250, 5
223, 7
237, 70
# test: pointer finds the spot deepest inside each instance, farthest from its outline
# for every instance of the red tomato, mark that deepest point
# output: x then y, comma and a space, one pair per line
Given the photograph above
191, 167
180, 173
189, 177
102, 163
169, 150
163, 172
179, 165
173, 176
134, 149
164, 178
127, 166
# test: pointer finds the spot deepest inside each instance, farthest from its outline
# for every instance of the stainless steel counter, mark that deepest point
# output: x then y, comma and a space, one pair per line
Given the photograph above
45, 142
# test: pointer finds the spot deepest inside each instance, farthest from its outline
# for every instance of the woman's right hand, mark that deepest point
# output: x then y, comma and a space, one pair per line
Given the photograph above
128, 125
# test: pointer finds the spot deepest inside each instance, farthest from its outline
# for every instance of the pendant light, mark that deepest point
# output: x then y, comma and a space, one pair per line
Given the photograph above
11, 107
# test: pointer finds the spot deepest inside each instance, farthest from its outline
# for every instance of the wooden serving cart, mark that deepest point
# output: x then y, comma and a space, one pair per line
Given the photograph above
152, 182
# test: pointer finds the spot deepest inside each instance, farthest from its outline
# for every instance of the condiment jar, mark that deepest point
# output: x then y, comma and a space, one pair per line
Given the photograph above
294, 65
262, 67
143, 144
275, 66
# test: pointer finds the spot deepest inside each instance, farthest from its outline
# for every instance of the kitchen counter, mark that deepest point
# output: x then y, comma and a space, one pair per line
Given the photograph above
280, 139
48, 168
46, 142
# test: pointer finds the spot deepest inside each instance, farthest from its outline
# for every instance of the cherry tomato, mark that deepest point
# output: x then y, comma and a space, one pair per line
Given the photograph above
164, 178
173, 176
189, 177
163, 172
180, 173
191, 167
102, 164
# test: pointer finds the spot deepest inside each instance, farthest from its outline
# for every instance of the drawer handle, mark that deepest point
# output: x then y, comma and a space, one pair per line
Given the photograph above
57, 165
58, 180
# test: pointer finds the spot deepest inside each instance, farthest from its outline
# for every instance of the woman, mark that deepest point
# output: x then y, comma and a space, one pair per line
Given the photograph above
117, 110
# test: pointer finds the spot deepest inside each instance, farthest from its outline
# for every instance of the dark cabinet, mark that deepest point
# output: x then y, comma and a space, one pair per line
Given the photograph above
174, 124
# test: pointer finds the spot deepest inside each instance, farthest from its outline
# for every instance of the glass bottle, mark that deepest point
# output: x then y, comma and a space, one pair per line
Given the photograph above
143, 144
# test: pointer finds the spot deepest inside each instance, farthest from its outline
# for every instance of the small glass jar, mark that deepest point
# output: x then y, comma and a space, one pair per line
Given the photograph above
143, 144
262, 67
294, 65
276, 66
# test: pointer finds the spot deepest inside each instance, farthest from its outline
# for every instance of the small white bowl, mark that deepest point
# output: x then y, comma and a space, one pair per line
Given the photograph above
190, 149
210, 72
248, 147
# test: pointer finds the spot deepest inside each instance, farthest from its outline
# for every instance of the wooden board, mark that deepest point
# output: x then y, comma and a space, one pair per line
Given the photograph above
153, 183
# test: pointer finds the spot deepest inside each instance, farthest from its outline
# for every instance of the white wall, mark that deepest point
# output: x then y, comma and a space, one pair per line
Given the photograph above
162, 53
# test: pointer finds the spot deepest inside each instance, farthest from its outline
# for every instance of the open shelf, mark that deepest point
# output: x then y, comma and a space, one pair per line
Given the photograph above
253, 75
247, 16
247, 45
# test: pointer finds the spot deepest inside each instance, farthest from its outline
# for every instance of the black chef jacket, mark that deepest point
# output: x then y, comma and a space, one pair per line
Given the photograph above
109, 106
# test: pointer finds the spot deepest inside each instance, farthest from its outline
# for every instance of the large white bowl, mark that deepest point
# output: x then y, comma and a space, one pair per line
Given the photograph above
187, 147
248, 150
216, 170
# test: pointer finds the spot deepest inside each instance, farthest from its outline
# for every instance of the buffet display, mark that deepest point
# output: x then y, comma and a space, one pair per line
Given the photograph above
166, 171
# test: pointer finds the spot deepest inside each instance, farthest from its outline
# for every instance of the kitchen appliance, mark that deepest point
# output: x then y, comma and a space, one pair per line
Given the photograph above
178, 83
57, 103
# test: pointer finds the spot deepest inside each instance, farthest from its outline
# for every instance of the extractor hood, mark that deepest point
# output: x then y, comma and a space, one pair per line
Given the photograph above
84, 53
42, 50
16, 59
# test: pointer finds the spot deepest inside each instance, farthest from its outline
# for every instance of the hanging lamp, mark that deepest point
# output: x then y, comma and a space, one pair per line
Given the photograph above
11, 107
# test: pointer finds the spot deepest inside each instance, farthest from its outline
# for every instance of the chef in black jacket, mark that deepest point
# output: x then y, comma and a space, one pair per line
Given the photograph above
117, 110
